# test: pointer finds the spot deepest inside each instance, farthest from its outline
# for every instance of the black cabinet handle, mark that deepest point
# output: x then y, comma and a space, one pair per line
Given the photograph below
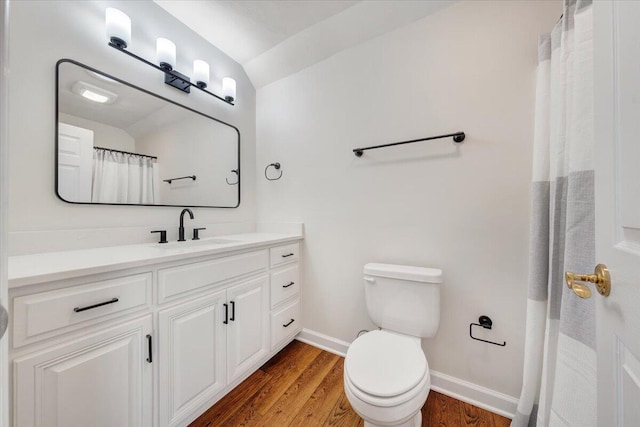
289, 322
233, 311
150, 343
290, 284
287, 255
163, 235
226, 313
89, 307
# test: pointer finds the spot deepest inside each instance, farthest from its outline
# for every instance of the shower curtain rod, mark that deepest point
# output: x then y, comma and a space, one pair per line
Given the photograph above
124, 152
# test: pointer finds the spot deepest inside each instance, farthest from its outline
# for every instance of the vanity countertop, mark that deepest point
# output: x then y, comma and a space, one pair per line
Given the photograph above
38, 268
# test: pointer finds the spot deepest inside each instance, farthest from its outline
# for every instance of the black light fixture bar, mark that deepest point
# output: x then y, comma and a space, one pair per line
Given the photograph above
173, 78
458, 137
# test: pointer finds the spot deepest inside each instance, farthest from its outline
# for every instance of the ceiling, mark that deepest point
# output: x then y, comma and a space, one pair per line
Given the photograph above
272, 39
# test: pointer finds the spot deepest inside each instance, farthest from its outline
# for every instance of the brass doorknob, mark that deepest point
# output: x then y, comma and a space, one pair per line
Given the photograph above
600, 277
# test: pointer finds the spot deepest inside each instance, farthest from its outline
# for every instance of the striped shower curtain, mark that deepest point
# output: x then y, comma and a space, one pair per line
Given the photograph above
559, 380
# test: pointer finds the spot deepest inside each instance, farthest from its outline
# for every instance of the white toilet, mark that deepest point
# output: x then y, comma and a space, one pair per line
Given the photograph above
386, 375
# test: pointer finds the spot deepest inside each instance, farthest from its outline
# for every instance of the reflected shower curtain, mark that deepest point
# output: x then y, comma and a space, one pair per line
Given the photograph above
559, 380
123, 178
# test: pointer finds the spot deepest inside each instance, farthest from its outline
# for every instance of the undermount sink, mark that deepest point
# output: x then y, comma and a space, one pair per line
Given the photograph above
192, 243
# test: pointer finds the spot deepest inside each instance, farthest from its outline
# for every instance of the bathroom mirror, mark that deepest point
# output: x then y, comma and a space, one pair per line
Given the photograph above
118, 144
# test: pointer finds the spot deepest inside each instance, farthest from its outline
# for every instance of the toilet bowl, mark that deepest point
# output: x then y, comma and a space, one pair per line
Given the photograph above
386, 379
386, 374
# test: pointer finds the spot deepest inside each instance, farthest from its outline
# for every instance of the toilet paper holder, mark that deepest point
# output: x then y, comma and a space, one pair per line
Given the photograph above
486, 323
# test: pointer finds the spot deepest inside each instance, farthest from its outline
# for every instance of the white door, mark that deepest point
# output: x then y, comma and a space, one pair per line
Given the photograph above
75, 163
248, 334
617, 166
192, 359
101, 380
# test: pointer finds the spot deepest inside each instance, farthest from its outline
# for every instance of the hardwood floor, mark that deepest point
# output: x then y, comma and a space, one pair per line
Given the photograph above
302, 386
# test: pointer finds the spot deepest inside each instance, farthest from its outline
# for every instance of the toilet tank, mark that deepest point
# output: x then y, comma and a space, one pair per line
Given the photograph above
403, 298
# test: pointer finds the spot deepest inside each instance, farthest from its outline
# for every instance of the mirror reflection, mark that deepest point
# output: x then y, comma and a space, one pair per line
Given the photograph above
118, 144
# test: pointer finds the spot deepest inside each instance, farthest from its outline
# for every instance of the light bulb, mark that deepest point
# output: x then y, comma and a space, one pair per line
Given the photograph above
229, 89
201, 73
165, 53
118, 26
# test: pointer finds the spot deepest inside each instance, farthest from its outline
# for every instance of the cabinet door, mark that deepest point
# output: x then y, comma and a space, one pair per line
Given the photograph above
100, 380
248, 332
192, 341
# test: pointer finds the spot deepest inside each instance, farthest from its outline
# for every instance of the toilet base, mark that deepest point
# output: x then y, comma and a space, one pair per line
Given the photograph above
416, 421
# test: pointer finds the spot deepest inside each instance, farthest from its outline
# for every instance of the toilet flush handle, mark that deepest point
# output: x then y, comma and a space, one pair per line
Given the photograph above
369, 279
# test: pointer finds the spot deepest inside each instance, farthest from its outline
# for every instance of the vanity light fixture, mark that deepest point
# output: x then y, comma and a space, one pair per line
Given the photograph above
201, 73
229, 89
165, 53
118, 27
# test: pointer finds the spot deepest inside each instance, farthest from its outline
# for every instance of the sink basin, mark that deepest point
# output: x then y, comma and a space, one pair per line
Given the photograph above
195, 243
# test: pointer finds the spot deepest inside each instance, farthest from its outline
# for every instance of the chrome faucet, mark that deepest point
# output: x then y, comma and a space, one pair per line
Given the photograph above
181, 229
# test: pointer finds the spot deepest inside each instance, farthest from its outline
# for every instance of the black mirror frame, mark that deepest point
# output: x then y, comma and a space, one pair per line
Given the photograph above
87, 67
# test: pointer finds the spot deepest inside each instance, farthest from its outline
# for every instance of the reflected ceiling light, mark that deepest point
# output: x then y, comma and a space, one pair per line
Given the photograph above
93, 93
118, 27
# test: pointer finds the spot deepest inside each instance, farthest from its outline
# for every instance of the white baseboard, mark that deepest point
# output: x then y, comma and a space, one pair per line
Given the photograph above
476, 395
465, 391
325, 342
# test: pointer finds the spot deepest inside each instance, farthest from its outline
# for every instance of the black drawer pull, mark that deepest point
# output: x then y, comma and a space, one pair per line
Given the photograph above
288, 323
150, 358
226, 313
233, 311
287, 255
89, 307
290, 284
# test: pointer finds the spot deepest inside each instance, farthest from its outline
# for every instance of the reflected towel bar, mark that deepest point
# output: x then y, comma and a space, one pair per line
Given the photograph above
193, 177
458, 137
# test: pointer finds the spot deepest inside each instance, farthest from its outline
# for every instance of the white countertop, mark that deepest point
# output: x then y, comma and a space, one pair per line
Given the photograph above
38, 268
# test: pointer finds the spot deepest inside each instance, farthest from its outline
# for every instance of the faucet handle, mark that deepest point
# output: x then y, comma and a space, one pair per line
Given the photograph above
196, 235
163, 235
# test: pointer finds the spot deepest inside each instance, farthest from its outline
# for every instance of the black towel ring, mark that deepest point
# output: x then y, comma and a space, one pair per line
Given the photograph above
276, 166
237, 181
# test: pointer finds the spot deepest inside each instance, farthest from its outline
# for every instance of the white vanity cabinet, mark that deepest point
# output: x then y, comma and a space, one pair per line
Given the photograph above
101, 380
208, 343
192, 357
151, 345
248, 332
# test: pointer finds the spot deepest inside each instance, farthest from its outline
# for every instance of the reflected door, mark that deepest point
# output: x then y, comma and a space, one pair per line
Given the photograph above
75, 162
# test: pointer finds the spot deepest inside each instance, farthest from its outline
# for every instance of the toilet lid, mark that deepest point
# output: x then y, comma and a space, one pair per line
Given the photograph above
385, 364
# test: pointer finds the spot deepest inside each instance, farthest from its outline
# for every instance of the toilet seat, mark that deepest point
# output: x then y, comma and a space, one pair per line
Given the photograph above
386, 369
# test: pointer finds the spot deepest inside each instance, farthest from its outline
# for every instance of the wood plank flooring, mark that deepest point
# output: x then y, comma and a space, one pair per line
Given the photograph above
302, 386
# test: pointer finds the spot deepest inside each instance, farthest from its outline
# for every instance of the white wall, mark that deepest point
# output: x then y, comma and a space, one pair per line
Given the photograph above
43, 32
206, 149
464, 209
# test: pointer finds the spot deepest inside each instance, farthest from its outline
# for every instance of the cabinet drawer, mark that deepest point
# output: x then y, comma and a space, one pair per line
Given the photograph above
50, 313
284, 254
285, 323
178, 281
284, 284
